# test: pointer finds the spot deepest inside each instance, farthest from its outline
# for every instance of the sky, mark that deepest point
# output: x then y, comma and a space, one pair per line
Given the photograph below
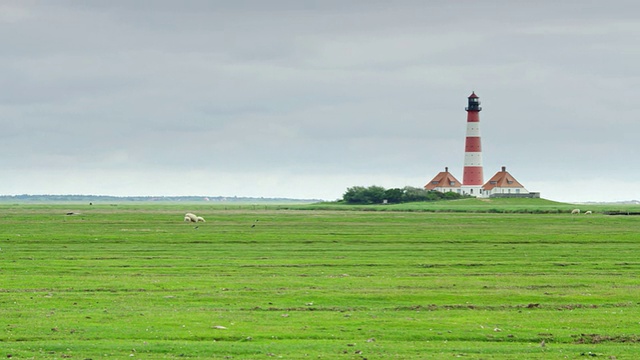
304, 99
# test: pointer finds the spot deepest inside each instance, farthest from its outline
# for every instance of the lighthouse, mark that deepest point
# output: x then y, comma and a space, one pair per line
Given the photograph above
472, 179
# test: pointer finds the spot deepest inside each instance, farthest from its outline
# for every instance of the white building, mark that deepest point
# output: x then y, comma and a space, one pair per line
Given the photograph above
503, 183
444, 182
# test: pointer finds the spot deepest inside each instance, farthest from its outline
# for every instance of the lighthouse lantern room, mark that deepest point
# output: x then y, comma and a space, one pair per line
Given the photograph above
474, 103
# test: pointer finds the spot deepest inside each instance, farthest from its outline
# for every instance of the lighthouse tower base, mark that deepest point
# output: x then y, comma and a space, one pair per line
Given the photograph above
474, 190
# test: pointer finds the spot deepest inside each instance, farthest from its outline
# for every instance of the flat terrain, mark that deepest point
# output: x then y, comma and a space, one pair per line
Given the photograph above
261, 282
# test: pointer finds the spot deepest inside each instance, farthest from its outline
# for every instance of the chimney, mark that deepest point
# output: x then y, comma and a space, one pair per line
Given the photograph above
504, 168
446, 169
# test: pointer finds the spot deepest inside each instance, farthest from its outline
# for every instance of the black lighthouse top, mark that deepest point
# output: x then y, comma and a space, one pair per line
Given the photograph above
474, 103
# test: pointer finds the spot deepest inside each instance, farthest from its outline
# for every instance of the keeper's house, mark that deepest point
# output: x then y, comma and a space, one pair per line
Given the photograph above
502, 184
444, 182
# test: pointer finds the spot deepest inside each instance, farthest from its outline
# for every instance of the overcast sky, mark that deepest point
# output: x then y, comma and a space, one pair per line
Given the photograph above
303, 99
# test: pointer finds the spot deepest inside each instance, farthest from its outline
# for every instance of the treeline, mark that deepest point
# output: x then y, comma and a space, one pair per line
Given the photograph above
379, 195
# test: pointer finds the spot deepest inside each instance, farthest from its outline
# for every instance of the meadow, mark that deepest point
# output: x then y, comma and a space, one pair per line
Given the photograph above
501, 280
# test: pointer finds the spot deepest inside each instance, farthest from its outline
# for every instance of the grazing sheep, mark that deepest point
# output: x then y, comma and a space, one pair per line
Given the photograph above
200, 218
191, 217
575, 211
187, 219
588, 212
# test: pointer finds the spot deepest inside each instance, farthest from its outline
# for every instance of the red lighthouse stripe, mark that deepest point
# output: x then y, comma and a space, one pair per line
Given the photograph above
472, 175
472, 144
473, 116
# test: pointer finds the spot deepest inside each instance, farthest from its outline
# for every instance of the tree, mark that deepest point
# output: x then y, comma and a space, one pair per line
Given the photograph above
394, 196
412, 194
377, 194
355, 195
362, 195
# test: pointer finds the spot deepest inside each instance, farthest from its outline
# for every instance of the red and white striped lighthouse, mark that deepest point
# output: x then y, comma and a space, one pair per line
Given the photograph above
472, 179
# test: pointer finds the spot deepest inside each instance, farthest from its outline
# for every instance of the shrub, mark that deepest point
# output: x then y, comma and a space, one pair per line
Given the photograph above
376, 195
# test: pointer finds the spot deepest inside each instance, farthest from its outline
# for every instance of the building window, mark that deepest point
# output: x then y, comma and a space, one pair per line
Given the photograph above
435, 182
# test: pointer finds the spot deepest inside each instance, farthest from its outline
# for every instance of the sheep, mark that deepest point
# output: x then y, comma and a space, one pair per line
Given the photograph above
588, 212
191, 217
200, 218
575, 211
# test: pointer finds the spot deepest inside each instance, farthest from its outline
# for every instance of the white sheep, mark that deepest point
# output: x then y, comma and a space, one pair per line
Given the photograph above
191, 217
575, 211
588, 212
200, 218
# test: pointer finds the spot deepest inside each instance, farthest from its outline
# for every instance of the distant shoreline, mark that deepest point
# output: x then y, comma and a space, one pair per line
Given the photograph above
108, 198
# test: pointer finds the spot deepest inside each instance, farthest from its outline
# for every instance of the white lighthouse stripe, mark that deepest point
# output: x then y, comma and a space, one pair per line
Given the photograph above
473, 159
473, 129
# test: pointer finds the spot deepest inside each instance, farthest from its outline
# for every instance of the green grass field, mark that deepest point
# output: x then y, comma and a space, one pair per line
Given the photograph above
261, 282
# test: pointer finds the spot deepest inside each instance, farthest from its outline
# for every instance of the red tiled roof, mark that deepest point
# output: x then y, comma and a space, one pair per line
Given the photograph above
502, 179
443, 179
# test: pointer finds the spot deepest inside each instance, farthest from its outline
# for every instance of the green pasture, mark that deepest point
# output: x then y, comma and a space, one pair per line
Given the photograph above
503, 280
498, 205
